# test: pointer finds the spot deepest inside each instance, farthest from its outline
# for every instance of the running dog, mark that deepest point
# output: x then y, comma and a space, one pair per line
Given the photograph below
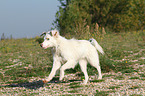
71, 51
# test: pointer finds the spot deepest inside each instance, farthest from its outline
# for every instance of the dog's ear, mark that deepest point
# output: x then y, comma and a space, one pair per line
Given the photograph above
43, 34
55, 33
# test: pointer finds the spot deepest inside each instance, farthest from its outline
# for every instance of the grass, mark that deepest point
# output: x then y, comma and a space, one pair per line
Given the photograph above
108, 76
101, 93
119, 77
142, 75
134, 78
24, 59
98, 80
28, 52
134, 87
114, 87
136, 95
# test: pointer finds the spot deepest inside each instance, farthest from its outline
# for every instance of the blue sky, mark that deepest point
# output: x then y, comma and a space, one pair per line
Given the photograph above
26, 18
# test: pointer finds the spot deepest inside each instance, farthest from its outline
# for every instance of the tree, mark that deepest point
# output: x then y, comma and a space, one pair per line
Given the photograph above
115, 15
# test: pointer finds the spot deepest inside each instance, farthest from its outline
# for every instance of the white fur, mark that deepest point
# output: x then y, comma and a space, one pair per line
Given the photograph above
72, 52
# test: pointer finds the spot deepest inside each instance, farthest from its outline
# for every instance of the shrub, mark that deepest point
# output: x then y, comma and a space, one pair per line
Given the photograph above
116, 15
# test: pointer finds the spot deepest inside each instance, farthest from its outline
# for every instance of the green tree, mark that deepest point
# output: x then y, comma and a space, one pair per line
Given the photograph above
117, 15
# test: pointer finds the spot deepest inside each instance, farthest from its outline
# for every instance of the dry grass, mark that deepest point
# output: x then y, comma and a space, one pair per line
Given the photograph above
23, 63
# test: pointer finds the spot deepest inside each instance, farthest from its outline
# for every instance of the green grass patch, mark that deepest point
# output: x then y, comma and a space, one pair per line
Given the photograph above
96, 81
108, 76
135, 87
73, 91
20, 80
76, 86
142, 75
129, 70
136, 95
134, 78
114, 87
101, 93
1, 76
119, 77
33, 94
74, 83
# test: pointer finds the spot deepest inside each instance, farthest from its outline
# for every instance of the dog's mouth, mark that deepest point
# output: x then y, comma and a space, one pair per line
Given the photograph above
45, 47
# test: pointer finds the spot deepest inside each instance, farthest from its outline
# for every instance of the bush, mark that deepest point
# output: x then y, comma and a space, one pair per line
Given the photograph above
116, 15
39, 40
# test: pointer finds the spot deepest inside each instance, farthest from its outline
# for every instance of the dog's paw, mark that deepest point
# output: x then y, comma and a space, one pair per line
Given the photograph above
61, 78
84, 82
45, 81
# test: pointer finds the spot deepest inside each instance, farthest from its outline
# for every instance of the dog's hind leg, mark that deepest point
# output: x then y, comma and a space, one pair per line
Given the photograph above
83, 65
69, 64
97, 66
95, 63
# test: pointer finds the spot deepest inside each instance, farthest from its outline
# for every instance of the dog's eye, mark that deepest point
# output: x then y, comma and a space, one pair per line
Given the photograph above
47, 38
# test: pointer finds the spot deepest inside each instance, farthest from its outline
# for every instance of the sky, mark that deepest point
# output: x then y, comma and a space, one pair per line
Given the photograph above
26, 18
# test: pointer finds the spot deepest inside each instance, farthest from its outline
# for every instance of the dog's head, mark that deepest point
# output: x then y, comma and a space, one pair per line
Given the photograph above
50, 38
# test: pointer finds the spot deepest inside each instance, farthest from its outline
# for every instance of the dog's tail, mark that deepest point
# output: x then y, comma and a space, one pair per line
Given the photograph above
97, 46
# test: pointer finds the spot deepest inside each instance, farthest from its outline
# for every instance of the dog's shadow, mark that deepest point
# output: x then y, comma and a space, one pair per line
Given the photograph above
28, 85
32, 85
36, 84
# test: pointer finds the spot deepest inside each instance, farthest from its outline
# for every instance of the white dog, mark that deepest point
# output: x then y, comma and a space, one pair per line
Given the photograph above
71, 52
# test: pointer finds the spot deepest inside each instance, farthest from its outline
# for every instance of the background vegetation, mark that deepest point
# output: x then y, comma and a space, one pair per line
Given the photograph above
114, 15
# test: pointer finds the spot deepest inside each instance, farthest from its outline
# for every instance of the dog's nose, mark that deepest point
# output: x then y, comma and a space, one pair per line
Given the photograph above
41, 45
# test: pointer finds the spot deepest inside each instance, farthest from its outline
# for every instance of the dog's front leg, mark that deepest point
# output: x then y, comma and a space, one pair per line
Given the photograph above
56, 66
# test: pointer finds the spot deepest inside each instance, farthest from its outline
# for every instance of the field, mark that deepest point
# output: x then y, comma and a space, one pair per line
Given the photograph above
23, 65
